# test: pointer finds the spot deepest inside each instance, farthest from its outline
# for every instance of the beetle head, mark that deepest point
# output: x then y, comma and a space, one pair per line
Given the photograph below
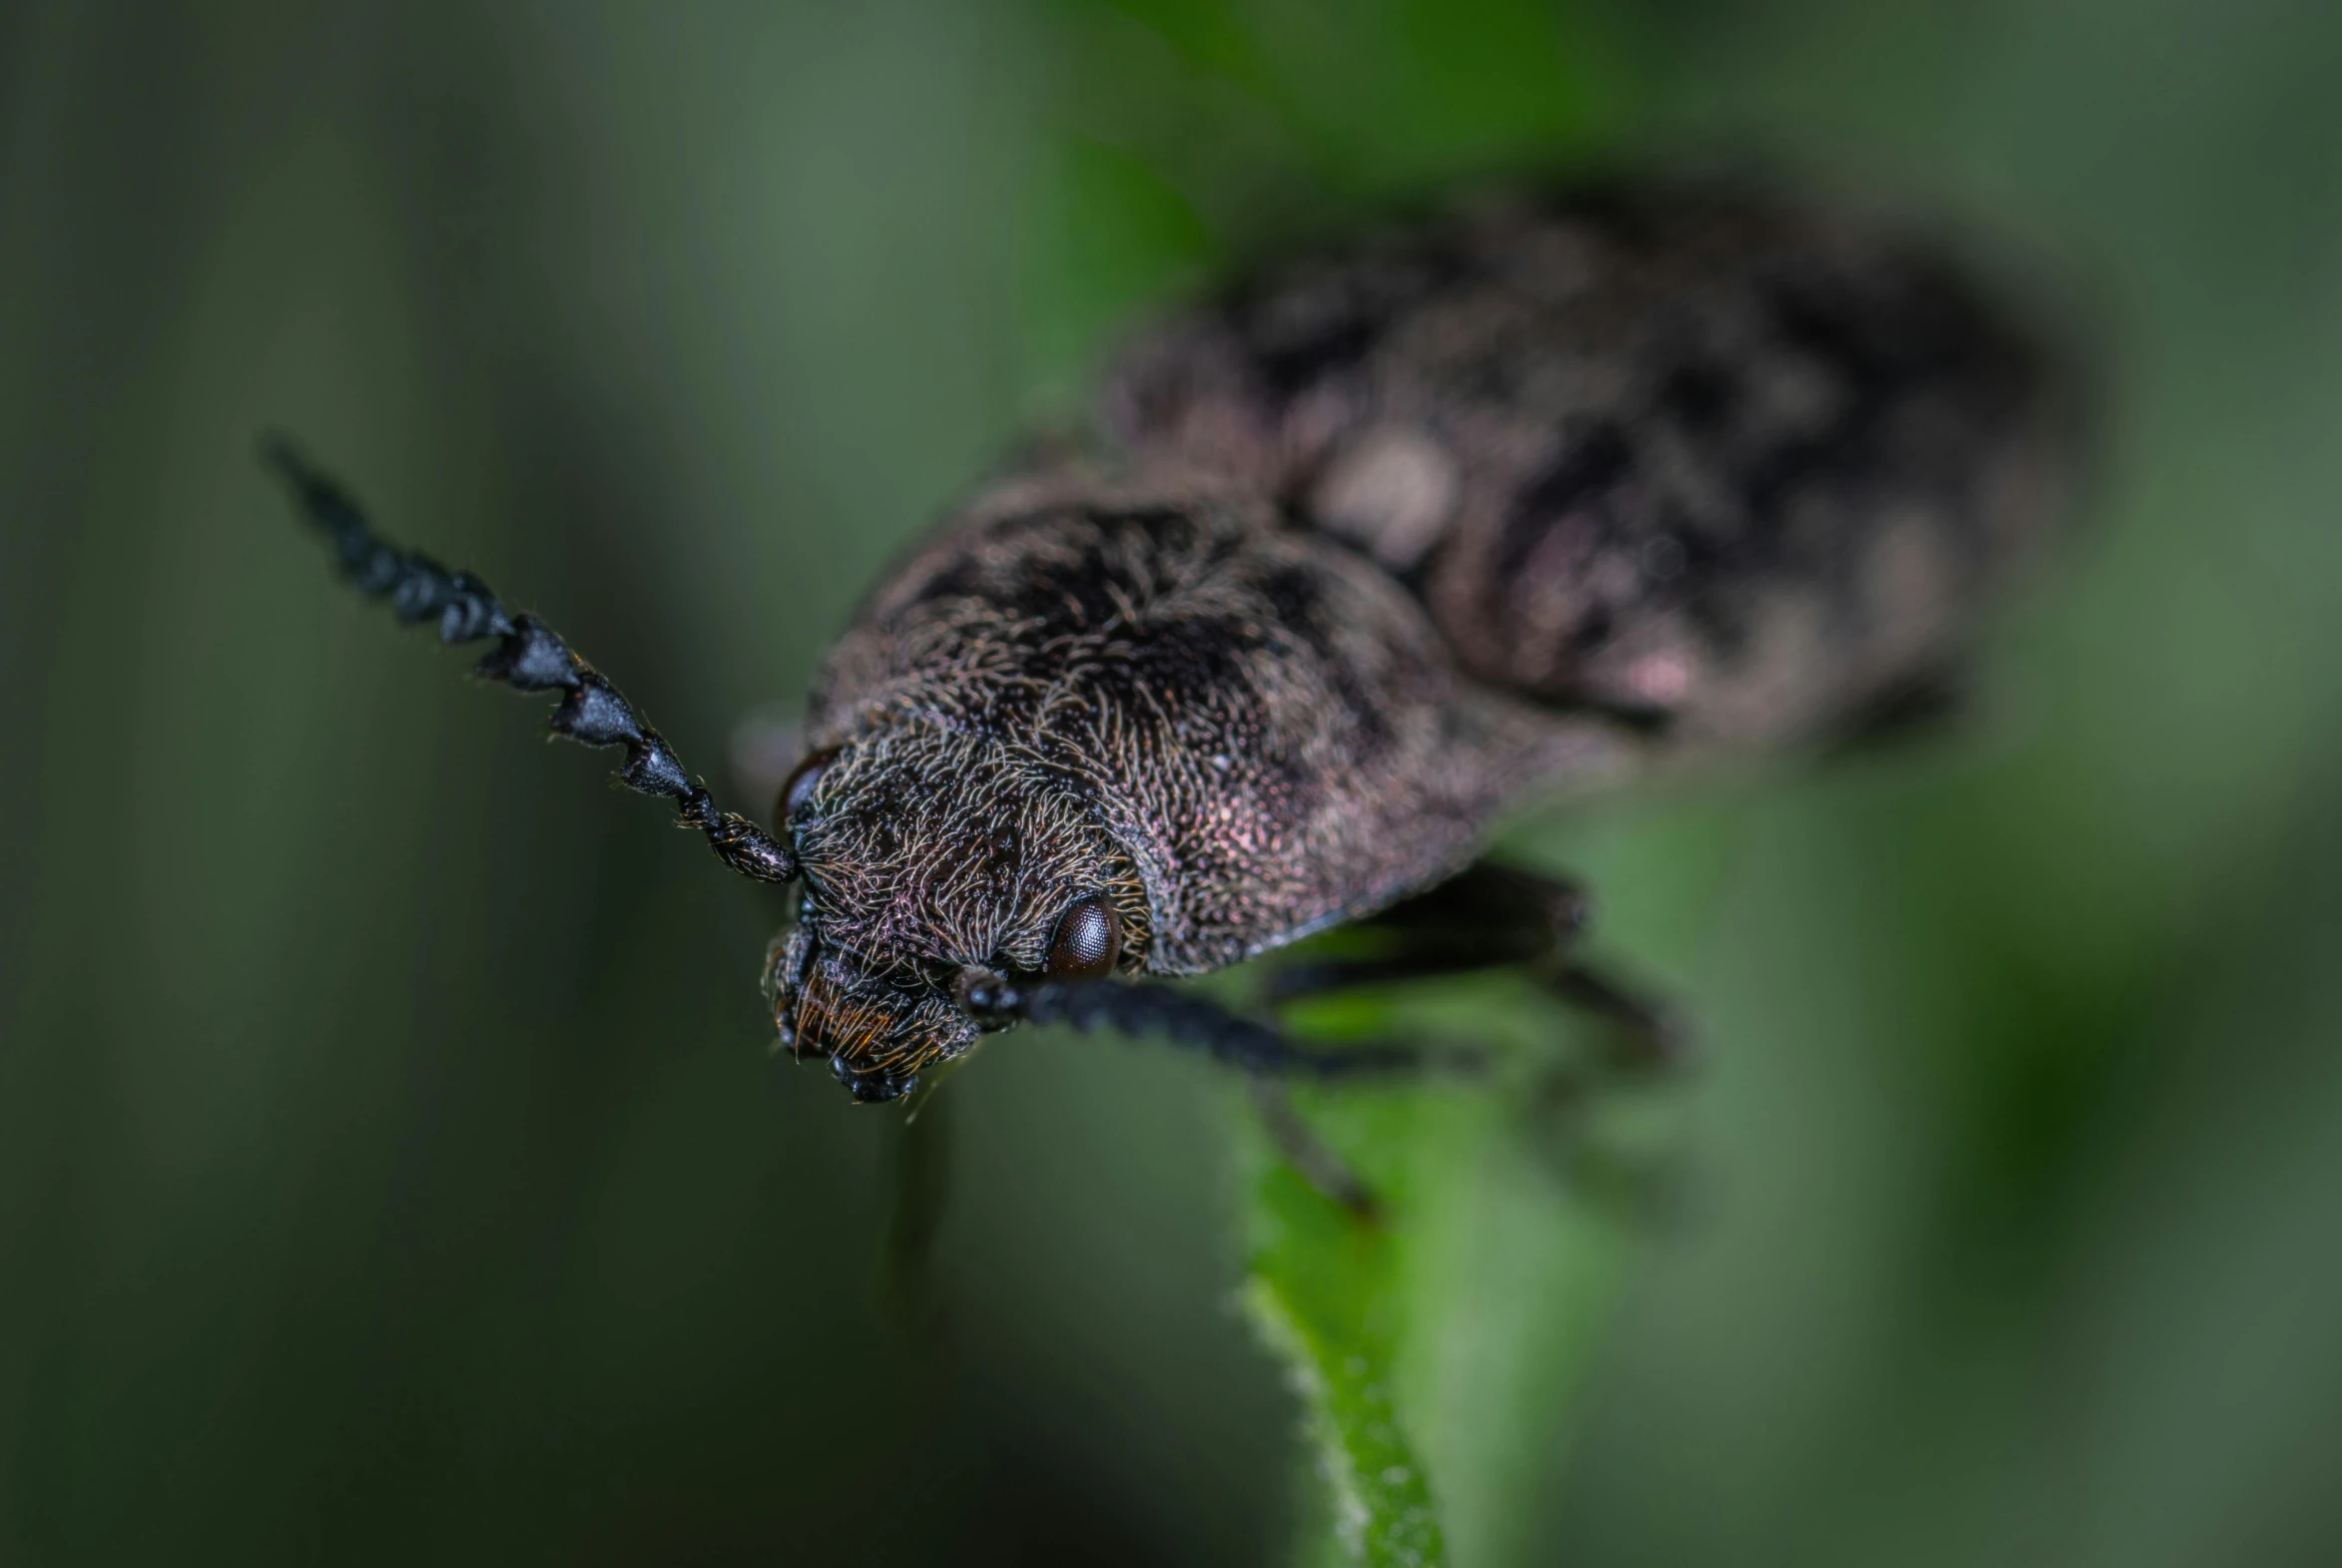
942, 875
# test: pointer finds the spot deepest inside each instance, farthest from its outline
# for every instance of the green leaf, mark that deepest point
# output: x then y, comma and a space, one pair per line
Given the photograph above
1437, 1347
1381, 1503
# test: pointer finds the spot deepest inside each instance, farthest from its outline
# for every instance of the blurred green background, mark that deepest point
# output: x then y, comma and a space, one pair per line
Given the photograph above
390, 1166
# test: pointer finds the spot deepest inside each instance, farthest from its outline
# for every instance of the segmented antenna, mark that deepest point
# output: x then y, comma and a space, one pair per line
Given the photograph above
528, 657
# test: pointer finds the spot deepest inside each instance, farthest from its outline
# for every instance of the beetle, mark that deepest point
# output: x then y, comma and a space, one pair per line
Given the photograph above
1365, 554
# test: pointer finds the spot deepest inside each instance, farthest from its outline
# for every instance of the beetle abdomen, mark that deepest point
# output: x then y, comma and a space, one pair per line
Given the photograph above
1723, 469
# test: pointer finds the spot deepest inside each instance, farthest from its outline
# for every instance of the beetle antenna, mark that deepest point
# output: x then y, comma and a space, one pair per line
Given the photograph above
528, 657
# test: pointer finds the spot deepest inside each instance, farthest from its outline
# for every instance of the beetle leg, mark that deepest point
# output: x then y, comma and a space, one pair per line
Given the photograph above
1916, 707
1266, 1056
1492, 916
1309, 1154
1651, 1032
1196, 1022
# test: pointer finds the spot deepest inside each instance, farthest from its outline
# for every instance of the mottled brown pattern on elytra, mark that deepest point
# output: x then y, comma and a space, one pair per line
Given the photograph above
1668, 454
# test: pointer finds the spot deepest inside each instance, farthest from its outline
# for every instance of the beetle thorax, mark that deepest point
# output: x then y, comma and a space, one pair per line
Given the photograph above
923, 849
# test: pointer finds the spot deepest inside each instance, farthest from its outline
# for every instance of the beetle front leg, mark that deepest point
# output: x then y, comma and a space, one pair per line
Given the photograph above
1196, 1022
1262, 1053
1492, 916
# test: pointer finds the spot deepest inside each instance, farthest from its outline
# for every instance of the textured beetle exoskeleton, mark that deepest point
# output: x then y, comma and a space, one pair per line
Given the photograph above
1386, 543
1677, 456
1379, 546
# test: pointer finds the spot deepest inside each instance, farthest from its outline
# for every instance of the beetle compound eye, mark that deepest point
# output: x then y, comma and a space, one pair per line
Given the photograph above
1088, 938
802, 783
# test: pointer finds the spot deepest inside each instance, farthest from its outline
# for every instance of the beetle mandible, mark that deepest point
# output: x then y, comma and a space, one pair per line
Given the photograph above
1377, 547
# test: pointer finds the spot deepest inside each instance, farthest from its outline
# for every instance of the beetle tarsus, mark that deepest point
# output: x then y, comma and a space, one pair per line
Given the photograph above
1650, 1032
1308, 1154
